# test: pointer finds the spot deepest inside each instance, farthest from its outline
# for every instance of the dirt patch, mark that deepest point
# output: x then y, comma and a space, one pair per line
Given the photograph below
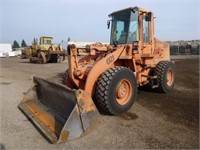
128, 116
167, 121
5, 83
182, 104
2, 147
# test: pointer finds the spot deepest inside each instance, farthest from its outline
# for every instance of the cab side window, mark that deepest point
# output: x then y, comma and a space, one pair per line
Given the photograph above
146, 34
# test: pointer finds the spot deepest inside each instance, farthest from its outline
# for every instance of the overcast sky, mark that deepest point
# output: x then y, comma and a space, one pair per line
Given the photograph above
85, 20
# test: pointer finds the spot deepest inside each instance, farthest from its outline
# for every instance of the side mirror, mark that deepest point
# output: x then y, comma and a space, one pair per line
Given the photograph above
148, 17
108, 24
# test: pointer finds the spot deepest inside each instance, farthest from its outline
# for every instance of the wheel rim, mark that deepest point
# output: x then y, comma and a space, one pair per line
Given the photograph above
170, 77
123, 92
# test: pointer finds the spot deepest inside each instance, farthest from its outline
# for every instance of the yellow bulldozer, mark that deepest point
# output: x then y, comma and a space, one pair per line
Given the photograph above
26, 52
44, 52
106, 78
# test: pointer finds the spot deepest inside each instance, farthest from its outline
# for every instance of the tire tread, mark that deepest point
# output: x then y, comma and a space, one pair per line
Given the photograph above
160, 72
102, 89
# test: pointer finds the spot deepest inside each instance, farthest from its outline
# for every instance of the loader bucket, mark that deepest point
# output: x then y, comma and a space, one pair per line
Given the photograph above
59, 112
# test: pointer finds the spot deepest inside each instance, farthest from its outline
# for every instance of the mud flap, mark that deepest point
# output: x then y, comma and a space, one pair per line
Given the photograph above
59, 112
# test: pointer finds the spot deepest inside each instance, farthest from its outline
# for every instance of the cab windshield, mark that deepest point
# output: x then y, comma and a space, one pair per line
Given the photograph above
47, 42
124, 28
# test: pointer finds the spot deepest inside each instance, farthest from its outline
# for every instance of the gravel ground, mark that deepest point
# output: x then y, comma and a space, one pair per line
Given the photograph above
169, 121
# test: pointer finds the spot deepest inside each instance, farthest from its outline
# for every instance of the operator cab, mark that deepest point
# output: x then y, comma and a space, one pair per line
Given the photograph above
125, 28
46, 40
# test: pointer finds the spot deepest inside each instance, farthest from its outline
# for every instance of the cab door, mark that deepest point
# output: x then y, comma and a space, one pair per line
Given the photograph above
146, 33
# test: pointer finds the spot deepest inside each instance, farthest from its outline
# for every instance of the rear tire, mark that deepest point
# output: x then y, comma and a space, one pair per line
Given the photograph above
116, 90
53, 58
165, 71
41, 57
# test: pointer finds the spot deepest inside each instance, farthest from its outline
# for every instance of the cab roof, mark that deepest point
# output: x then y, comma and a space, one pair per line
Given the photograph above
130, 8
46, 37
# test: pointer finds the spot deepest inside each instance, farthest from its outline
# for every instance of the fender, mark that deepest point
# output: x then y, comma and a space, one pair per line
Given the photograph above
101, 66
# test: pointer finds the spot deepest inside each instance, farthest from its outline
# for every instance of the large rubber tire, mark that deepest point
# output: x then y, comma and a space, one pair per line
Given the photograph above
110, 84
69, 83
65, 76
53, 58
41, 57
165, 71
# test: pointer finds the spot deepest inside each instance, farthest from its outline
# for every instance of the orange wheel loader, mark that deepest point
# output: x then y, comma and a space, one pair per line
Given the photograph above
106, 77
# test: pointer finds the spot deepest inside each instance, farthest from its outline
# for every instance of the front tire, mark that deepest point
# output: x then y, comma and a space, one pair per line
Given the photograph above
67, 82
116, 90
65, 76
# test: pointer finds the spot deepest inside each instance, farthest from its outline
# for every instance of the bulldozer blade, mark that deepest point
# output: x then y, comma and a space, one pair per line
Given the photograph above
59, 112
